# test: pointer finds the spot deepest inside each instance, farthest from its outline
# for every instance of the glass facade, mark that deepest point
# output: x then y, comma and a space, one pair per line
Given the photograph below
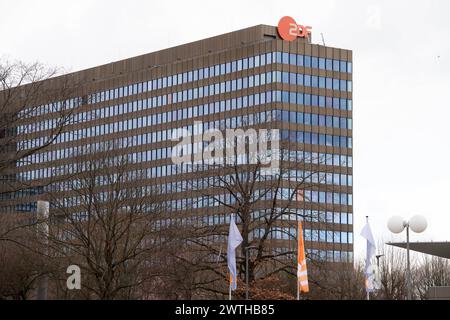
311, 105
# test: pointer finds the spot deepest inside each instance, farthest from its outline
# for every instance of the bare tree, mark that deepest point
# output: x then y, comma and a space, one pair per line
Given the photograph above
108, 222
392, 275
279, 287
264, 206
30, 94
431, 272
26, 90
21, 261
336, 281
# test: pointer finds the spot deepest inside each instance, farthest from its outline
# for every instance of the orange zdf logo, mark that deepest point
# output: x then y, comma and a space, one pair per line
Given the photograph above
289, 30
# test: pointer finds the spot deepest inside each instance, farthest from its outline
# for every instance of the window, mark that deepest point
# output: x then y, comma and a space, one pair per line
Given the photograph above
336, 65
315, 62
315, 120
257, 61
322, 122
276, 57
300, 98
307, 61
329, 83
233, 66
322, 139
245, 64
322, 63
239, 65
307, 99
269, 58
335, 84
292, 78
292, 59
321, 101
322, 82
251, 62
292, 98
307, 80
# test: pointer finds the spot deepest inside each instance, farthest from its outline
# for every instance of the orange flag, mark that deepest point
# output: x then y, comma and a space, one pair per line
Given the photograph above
302, 273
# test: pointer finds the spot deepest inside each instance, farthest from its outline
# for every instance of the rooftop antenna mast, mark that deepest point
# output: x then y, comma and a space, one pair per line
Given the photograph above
323, 39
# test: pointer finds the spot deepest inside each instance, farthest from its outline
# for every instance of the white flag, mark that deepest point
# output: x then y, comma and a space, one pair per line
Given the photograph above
366, 233
234, 240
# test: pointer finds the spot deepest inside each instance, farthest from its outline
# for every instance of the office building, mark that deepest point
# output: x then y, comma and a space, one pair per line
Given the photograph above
249, 76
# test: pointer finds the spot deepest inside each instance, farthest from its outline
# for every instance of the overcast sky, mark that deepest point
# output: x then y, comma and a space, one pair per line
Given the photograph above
401, 77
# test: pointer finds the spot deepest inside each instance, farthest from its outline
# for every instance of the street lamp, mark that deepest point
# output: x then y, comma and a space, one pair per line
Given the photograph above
378, 259
246, 268
43, 230
417, 224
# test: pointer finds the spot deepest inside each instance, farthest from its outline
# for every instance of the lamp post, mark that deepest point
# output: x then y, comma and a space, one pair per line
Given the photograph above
417, 224
43, 231
246, 268
378, 259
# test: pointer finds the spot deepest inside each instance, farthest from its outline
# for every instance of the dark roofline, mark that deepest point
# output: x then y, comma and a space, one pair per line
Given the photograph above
438, 249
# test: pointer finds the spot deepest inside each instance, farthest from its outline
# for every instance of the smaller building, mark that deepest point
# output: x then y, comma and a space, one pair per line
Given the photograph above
437, 249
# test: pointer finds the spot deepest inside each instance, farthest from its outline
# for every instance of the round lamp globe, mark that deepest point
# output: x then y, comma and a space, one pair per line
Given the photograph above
396, 224
418, 224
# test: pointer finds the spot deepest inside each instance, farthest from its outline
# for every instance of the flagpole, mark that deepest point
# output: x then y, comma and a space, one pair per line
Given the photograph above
234, 240
298, 256
367, 290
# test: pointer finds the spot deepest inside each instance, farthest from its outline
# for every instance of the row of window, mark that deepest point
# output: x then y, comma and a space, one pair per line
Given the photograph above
221, 219
311, 81
223, 69
197, 111
295, 215
313, 62
191, 112
313, 216
329, 255
316, 139
166, 153
312, 119
311, 196
196, 93
164, 135
172, 170
319, 197
312, 255
328, 159
328, 178
199, 74
312, 235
